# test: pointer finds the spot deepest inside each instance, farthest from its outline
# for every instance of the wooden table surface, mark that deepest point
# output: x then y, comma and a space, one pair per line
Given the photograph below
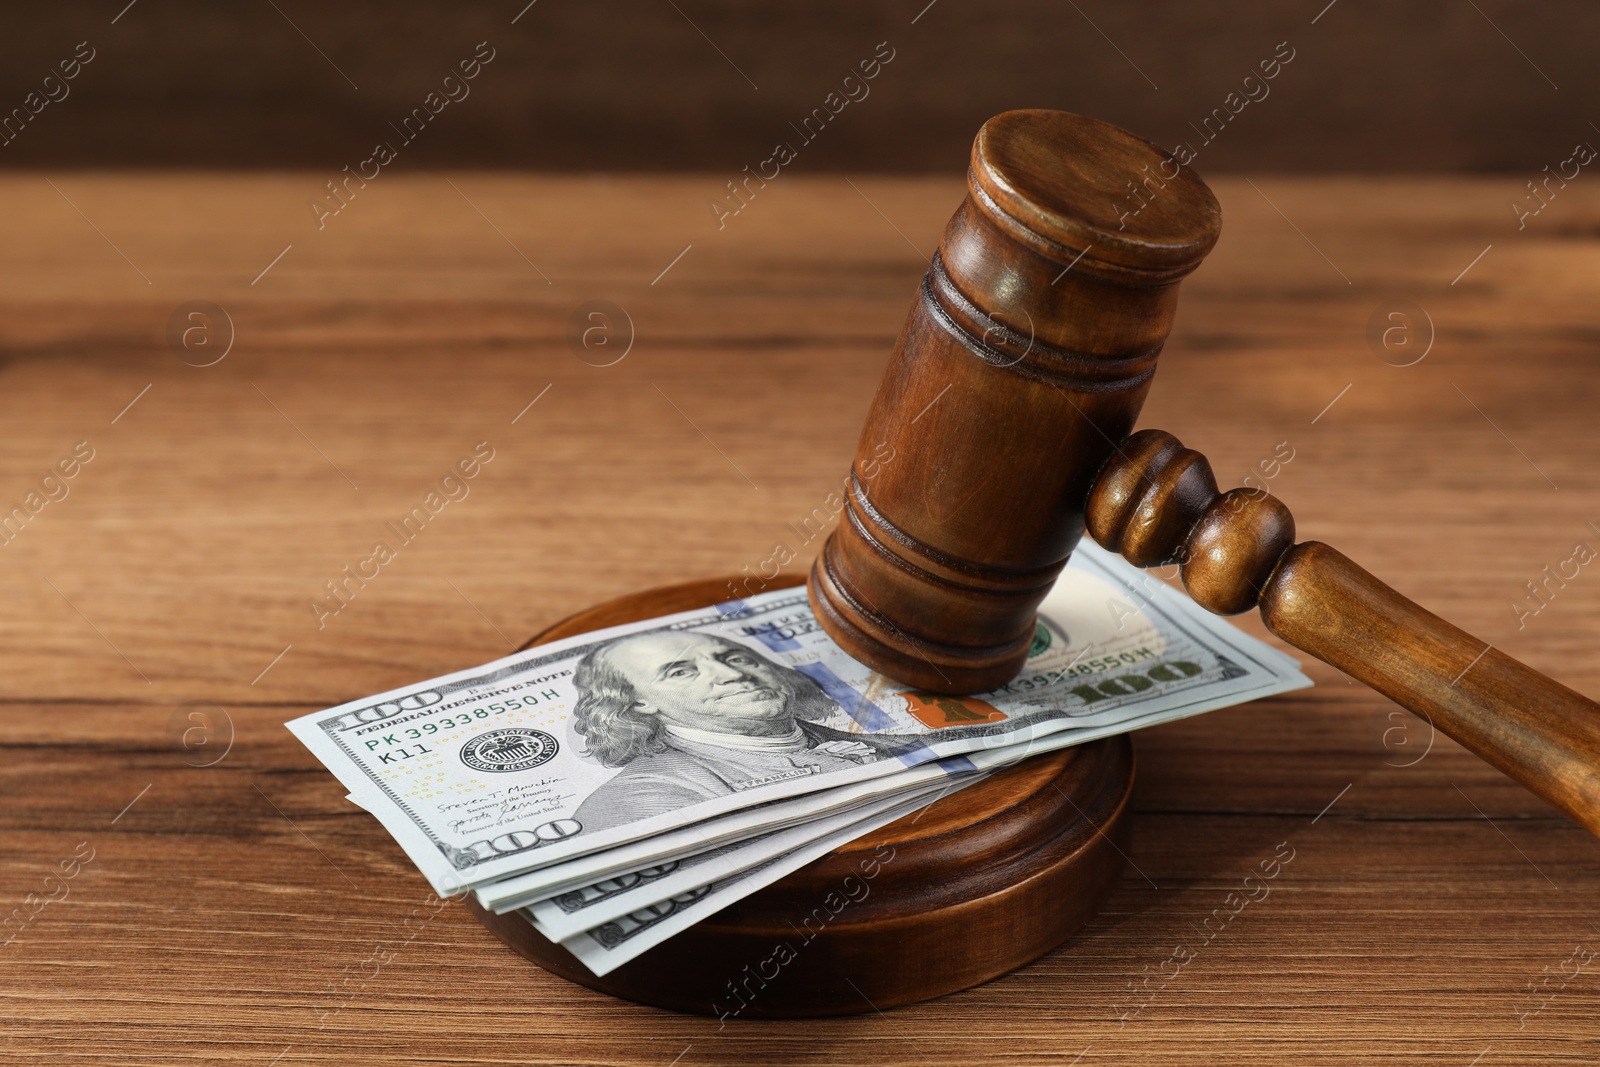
245, 913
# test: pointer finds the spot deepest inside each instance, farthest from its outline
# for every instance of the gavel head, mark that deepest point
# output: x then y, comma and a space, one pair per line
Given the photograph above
1023, 363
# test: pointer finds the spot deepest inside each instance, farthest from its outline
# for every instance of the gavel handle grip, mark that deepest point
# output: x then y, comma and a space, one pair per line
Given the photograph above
1156, 502
1530, 726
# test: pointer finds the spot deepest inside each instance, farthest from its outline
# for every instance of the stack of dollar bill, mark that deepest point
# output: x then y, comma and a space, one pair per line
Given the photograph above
619, 786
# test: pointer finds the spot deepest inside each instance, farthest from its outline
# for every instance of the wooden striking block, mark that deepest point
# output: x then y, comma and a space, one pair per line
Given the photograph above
973, 886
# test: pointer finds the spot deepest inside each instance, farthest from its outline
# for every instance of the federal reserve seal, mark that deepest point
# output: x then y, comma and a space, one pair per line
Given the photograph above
509, 750
1042, 638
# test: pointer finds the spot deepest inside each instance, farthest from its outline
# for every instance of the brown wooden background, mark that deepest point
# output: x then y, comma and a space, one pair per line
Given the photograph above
1376, 86
231, 913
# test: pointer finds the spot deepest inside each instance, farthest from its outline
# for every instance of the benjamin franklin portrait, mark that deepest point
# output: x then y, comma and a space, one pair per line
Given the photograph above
691, 717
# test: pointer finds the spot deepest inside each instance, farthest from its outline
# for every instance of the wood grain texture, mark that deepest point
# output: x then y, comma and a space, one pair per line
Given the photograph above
238, 912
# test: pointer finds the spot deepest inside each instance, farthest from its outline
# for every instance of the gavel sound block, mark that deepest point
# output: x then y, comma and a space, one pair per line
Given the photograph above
975, 885
1011, 393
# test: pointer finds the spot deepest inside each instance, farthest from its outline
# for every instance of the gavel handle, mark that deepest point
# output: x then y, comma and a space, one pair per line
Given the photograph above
1532, 727
1156, 503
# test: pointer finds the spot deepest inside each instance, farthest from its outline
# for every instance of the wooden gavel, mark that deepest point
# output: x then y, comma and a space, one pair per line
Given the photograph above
1008, 403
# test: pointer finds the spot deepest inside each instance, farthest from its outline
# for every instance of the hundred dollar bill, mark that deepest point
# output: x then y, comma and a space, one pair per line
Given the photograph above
612, 737
509, 894
512, 893
739, 829
576, 906
609, 945
663, 907
571, 913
